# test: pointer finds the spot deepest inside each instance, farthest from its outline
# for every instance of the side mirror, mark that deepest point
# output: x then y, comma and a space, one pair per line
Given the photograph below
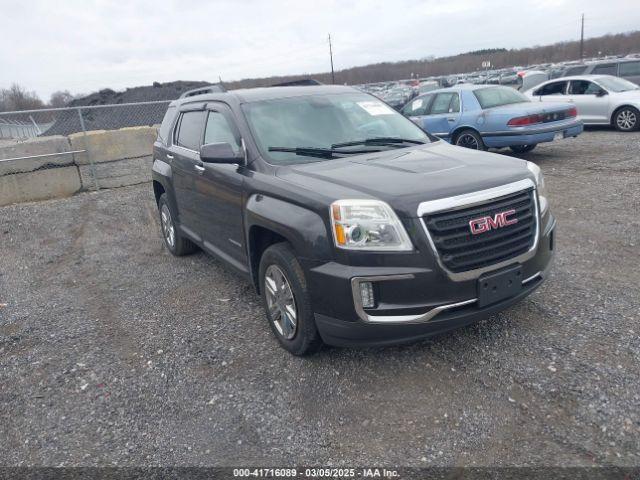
219, 153
602, 93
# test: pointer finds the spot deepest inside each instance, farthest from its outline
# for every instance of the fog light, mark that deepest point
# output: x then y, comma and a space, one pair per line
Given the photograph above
366, 295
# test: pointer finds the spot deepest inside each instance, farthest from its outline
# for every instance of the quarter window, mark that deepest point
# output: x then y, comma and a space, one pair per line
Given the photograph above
189, 131
627, 69
606, 69
218, 130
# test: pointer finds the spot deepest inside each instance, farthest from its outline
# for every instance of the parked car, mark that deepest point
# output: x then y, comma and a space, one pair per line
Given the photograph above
354, 225
479, 117
599, 99
627, 68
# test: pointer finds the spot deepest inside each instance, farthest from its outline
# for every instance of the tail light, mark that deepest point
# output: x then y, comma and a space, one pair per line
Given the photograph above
572, 112
528, 120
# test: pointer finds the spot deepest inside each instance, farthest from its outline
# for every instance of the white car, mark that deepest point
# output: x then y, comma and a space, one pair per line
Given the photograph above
599, 99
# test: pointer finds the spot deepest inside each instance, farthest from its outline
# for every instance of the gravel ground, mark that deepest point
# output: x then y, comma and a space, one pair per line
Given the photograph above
114, 352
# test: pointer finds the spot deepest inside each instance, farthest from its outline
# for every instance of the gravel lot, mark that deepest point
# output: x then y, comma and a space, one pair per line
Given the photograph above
114, 352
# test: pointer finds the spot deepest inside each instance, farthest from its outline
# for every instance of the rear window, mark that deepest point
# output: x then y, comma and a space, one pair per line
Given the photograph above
189, 131
575, 70
497, 96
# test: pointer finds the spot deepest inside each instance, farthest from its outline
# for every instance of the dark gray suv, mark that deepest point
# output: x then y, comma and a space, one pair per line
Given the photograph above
355, 226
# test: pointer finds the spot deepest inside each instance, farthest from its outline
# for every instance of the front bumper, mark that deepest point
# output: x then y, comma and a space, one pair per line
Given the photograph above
418, 303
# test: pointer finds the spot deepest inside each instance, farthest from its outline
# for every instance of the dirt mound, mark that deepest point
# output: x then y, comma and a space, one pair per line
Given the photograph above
110, 118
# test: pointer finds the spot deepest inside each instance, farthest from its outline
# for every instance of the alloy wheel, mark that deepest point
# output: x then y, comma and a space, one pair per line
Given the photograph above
467, 140
626, 119
168, 230
280, 302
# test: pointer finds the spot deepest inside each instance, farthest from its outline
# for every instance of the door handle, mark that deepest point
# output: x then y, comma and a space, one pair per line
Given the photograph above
451, 119
169, 157
199, 168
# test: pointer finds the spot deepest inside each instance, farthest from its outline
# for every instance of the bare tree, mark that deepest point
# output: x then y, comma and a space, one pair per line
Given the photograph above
60, 99
18, 98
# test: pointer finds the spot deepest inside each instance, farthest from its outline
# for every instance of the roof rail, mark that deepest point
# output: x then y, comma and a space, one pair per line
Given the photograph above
304, 82
218, 88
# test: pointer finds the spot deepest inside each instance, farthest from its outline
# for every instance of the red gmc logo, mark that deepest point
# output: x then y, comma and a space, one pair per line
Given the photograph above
499, 220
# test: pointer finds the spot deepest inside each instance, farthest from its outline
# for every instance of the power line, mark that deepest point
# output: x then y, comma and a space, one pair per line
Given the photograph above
582, 38
333, 77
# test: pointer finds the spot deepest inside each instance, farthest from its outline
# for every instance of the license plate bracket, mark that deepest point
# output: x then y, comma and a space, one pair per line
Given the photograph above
496, 286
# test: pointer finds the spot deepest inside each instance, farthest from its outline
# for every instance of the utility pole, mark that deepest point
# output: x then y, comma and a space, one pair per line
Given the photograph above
333, 77
582, 38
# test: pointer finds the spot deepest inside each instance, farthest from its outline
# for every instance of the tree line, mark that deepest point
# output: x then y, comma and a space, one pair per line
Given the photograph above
17, 97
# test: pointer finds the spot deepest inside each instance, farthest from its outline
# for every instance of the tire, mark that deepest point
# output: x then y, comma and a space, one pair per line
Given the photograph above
522, 148
301, 336
175, 242
627, 119
469, 139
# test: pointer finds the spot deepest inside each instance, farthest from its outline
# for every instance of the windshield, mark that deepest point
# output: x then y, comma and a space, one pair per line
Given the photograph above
497, 96
615, 84
325, 121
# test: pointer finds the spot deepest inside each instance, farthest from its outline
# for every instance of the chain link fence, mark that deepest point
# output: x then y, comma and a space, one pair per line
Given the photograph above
56, 138
65, 121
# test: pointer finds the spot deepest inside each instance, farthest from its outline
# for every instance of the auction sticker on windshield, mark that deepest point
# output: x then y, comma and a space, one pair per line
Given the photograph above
375, 108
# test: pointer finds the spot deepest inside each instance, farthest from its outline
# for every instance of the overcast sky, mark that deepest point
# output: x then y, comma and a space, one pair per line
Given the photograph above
87, 45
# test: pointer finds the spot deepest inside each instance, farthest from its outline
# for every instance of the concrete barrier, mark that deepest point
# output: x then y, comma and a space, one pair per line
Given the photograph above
116, 158
38, 178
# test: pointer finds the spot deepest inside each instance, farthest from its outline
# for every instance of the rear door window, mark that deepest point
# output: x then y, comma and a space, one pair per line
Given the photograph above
189, 130
442, 103
583, 87
553, 88
628, 69
606, 69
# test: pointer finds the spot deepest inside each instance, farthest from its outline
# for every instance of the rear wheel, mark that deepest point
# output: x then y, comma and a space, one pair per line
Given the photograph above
287, 301
627, 119
522, 148
469, 139
173, 239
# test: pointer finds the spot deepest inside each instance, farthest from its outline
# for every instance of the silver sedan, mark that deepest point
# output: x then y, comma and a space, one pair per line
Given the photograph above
599, 99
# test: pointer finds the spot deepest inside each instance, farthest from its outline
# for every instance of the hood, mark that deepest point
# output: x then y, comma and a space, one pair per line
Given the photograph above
406, 177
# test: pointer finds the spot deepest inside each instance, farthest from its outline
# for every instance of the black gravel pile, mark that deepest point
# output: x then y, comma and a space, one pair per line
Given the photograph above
111, 118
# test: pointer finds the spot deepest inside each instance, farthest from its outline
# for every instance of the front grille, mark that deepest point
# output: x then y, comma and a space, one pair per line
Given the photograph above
460, 250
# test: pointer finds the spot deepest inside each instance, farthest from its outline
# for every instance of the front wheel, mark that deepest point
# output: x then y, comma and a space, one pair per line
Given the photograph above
287, 301
522, 148
627, 119
469, 139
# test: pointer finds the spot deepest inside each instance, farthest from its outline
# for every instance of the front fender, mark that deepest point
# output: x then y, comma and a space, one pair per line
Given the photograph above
303, 228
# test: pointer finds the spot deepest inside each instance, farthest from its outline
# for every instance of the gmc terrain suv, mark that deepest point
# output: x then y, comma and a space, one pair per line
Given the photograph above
354, 225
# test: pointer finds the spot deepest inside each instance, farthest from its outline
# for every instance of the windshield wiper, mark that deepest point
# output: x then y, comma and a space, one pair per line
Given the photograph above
317, 151
375, 141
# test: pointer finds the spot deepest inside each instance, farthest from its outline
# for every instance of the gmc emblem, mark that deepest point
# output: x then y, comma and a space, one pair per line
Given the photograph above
499, 220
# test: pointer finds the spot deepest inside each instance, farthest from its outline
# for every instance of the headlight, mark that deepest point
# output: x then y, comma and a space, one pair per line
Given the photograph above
367, 225
540, 186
